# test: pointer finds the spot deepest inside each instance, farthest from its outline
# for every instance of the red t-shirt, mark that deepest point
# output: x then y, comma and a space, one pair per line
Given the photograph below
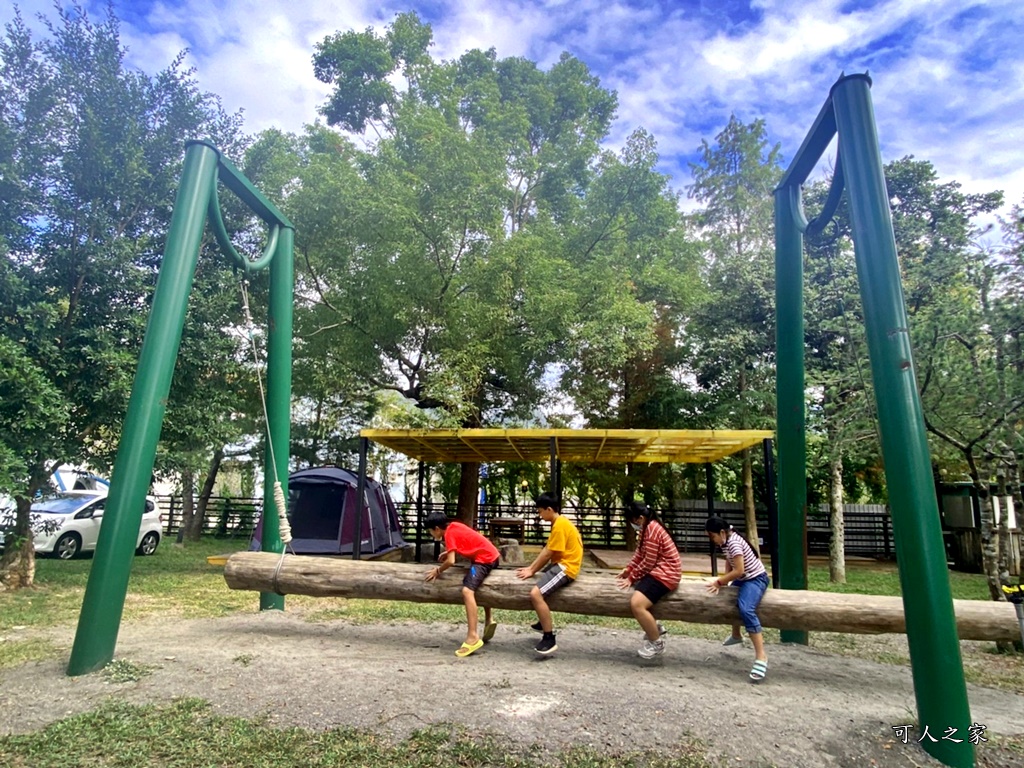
469, 543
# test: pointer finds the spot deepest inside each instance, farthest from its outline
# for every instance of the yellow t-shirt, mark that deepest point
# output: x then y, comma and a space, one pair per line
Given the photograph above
566, 546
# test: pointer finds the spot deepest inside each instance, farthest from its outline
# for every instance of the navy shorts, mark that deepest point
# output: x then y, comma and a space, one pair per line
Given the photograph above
476, 573
651, 588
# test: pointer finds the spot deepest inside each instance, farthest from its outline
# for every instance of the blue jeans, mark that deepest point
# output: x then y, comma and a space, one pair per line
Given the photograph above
750, 593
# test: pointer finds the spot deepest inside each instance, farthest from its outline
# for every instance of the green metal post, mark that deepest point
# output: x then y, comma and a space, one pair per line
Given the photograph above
936, 663
789, 393
100, 619
279, 396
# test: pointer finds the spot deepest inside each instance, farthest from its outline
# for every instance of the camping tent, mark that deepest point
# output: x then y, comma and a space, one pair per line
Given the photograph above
322, 514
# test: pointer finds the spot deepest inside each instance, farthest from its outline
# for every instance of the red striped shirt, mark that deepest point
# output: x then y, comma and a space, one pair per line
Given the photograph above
656, 555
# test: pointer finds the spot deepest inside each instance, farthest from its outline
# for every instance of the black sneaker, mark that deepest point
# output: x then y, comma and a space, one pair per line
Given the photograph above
547, 644
537, 627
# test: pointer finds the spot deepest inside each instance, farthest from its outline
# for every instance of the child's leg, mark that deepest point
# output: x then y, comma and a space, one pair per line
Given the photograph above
540, 605
469, 598
640, 604
749, 597
757, 638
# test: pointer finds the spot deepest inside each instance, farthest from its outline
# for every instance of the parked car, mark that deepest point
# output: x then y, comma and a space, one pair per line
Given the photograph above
68, 523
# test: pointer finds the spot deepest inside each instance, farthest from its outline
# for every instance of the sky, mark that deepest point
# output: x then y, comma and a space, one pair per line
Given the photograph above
948, 75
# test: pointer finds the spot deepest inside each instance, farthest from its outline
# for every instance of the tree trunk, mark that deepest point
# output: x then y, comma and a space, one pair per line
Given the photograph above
595, 593
18, 561
629, 491
989, 543
188, 510
749, 511
207, 490
469, 493
1003, 554
837, 544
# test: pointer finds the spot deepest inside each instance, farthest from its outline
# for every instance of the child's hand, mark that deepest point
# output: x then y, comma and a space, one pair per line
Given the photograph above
432, 574
622, 582
524, 573
442, 556
712, 586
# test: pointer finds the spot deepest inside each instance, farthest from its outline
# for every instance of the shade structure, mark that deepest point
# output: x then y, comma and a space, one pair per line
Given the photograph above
618, 446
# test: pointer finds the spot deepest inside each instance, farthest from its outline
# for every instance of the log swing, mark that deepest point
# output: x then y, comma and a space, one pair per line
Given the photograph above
595, 594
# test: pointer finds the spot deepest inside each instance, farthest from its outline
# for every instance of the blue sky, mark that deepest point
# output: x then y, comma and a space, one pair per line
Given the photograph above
948, 74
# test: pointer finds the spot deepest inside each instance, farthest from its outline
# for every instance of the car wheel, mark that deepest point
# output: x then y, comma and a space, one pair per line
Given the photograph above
67, 546
148, 544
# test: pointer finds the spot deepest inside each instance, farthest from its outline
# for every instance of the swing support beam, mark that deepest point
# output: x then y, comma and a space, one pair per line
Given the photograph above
936, 664
107, 587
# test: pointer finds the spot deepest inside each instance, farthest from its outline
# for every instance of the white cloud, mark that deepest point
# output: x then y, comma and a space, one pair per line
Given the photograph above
679, 69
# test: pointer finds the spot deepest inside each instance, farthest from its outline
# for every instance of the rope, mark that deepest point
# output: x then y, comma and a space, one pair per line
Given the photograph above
284, 527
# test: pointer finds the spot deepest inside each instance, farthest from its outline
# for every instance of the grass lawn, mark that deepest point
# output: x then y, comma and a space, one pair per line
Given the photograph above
186, 733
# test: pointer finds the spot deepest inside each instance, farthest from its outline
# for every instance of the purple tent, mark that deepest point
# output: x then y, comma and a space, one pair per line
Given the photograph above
322, 513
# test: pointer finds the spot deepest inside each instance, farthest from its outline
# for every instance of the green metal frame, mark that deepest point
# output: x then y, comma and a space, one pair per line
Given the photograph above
103, 604
937, 667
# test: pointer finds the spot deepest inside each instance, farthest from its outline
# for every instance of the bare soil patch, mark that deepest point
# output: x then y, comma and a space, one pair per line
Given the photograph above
815, 709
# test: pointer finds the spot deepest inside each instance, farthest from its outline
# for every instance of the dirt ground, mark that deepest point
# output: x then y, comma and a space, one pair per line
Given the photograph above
813, 710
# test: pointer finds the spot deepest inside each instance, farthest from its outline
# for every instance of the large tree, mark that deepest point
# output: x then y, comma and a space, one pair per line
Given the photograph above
448, 280
92, 151
734, 357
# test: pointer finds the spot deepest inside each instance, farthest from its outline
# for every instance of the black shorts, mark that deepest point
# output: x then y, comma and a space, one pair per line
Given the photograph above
651, 588
476, 573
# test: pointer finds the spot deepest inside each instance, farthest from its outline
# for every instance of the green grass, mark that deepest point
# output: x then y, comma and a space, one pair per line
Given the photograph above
883, 579
176, 580
186, 733
15, 652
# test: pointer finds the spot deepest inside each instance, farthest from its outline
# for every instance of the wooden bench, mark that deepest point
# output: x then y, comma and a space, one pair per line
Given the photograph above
507, 527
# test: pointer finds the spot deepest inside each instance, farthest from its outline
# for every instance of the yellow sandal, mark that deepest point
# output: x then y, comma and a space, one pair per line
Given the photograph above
467, 648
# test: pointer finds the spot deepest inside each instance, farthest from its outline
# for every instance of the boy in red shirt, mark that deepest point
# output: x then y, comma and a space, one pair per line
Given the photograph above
460, 539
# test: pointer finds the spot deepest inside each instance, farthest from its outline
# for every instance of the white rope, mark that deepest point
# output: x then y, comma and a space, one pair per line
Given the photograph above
283, 526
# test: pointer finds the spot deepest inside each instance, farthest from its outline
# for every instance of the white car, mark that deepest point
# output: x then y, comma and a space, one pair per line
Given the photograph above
68, 523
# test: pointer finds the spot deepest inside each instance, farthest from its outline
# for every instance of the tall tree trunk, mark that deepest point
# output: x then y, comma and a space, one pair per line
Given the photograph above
469, 493
989, 543
188, 507
1003, 554
747, 472
837, 527
628, 495
989, 565
749, 511
207, 490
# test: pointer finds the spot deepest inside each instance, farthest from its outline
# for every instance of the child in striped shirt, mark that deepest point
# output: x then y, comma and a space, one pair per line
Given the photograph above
748, 575
653, 572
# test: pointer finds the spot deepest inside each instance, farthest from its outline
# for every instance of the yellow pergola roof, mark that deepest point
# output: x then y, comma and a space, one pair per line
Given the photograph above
619, 446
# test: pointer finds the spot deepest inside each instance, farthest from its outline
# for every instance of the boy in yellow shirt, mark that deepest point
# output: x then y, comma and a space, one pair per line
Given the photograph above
560, 560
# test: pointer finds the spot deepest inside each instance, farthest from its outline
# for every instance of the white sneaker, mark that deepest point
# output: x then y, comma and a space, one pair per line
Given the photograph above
649, 650
662, 631
730, 640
